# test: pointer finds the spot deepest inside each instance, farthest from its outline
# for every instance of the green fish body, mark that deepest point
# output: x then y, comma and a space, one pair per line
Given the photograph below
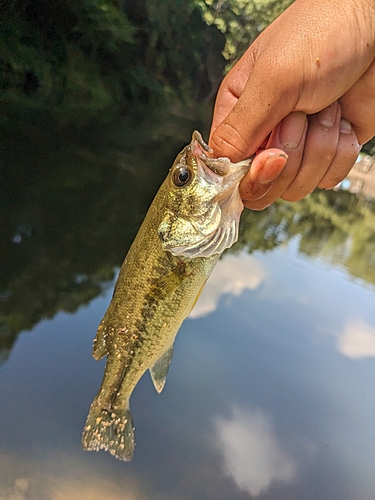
192, 219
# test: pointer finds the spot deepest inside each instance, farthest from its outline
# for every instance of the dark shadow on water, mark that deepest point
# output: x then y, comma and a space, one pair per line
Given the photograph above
72, 201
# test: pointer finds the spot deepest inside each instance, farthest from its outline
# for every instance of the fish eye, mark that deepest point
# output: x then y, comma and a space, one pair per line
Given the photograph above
181, 176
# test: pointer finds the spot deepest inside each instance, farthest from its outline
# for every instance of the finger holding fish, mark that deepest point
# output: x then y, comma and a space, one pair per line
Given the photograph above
321, 149
265, 170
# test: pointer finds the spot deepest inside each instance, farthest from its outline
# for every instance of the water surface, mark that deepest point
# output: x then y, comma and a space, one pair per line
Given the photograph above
270, 394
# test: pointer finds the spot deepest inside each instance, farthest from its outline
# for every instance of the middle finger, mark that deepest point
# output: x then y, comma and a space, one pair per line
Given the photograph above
320, 149
289, 136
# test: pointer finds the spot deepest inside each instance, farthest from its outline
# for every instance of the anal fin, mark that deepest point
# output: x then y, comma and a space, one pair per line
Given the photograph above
160, 369
100, 349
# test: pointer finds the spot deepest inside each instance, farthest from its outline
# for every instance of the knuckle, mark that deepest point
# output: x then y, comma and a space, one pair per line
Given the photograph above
227, 141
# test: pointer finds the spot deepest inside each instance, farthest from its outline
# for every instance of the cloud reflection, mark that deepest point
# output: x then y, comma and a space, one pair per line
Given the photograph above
232, 275
83, 490
252, 453
358, 340
63, 477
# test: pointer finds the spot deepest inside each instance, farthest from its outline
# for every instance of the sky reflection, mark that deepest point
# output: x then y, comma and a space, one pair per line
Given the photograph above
231, 277
357, 340
251, 450
297, 331
270, 395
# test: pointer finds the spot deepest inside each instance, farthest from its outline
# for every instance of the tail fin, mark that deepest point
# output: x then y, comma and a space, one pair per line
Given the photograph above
111, 431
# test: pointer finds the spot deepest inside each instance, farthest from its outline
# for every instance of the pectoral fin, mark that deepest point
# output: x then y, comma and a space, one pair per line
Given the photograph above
167, 284
197, 297
160, 369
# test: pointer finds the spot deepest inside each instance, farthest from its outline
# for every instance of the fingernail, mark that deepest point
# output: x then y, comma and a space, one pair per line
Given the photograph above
327, 117
345, 126
272, 168
292, 129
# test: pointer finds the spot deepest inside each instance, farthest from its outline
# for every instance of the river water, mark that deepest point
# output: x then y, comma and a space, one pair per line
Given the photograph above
271, 391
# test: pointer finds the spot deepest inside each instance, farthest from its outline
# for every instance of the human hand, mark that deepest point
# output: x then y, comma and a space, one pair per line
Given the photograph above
306, 86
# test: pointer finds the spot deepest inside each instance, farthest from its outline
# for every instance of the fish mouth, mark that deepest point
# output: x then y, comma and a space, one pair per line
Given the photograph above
221, 166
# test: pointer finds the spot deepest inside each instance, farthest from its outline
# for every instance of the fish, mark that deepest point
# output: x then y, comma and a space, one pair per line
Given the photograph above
193, 218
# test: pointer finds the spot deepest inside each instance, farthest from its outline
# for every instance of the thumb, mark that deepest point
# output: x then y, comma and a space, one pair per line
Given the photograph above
261, 105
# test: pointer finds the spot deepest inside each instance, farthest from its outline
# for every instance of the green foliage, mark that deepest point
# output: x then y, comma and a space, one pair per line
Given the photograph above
72, 202
336, 226
90, 59
101, 24
369, 147
241, 20
52, 53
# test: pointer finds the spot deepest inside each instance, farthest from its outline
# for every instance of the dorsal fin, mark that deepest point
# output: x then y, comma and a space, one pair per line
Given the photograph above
160, 369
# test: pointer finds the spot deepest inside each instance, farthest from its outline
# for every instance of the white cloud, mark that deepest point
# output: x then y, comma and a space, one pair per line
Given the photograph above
357, 340
252, 454
232, 275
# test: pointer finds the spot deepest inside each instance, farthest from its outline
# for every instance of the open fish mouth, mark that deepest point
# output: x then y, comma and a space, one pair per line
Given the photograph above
220, 166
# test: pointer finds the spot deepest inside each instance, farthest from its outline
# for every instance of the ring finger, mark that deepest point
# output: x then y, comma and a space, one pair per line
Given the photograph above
346, 155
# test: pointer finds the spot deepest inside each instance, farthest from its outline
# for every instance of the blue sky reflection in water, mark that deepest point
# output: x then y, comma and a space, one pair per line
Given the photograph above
270, 395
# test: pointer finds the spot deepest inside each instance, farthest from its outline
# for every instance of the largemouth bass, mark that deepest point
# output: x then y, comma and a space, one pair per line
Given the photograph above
193, 218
